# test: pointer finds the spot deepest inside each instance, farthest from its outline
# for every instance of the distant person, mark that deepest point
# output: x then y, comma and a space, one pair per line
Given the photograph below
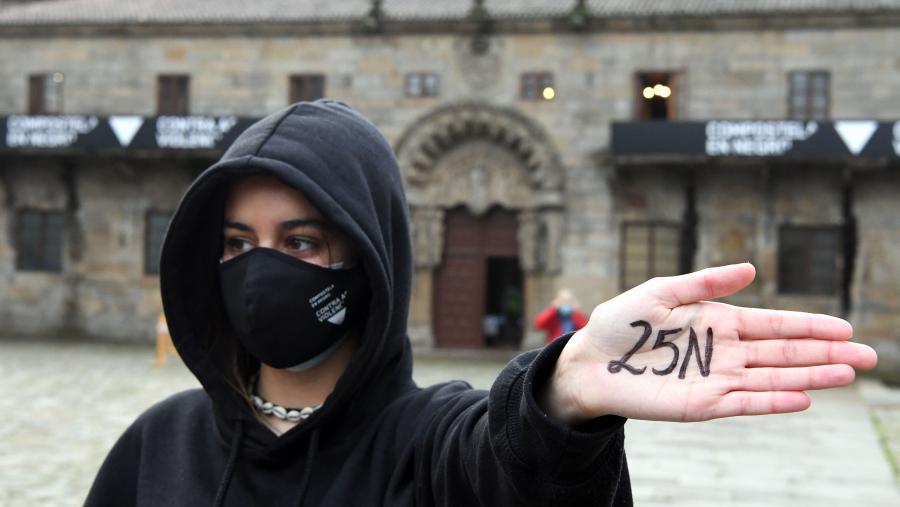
164, 345
561, 317
285, 277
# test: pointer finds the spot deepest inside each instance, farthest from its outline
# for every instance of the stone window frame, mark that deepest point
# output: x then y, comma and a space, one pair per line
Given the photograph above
802, 259
305, 87
156, 222
532, 84
422, 85
809, 94
173, 94
651, 268
643, 78
45, 93
42, 239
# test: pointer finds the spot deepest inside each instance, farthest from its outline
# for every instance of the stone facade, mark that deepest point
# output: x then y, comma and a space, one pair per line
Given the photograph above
102, 290
476, 144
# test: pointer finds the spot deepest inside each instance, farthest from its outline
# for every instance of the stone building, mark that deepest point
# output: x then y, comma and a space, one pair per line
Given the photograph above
588, 145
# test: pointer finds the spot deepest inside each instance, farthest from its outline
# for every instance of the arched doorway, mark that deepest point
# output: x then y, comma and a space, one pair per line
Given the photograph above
478, 287
469, 169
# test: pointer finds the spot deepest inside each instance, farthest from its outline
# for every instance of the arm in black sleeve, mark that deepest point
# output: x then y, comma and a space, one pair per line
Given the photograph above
504, 450
116, 481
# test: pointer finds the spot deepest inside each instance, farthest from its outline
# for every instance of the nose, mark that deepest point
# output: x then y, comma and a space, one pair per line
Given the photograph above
268, 242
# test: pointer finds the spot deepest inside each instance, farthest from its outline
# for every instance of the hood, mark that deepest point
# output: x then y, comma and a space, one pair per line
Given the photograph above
344, 167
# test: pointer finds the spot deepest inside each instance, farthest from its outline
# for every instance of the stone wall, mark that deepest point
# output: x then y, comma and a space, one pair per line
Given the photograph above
102, 290
876, 282
739, 74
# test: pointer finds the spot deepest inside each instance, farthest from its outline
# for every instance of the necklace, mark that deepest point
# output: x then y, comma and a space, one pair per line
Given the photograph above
283, 413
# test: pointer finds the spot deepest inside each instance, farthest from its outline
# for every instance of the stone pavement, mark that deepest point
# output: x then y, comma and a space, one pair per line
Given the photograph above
64, 405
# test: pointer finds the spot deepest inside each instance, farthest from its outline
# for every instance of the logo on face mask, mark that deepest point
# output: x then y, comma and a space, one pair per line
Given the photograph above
331, 309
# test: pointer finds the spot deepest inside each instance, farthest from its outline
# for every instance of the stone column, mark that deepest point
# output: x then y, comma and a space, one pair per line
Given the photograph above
540, 234
428, 245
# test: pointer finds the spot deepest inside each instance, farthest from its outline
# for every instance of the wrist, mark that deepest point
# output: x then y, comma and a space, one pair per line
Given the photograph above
559, 396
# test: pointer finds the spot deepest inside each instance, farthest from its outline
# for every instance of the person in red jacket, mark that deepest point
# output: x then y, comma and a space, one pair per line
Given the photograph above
561, 317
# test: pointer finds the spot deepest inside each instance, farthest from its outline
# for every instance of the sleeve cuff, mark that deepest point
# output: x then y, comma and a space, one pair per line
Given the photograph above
580, 446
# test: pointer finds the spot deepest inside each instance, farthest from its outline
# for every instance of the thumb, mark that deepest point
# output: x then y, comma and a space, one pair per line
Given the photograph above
701, 285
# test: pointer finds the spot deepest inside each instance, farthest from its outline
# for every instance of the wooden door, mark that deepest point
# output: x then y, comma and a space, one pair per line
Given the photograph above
460, 280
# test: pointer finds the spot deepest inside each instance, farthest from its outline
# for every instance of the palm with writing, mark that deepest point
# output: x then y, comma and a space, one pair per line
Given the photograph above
662, 351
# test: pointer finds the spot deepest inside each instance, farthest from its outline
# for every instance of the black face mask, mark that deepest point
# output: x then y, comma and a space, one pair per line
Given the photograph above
289, 313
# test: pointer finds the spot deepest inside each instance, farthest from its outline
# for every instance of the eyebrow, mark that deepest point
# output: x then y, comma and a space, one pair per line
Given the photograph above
286, 225
302, 222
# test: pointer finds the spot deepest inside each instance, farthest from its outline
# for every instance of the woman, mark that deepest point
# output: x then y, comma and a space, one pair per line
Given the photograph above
285, 278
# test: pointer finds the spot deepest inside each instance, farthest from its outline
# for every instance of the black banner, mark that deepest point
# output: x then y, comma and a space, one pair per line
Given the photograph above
120, 132
755, 138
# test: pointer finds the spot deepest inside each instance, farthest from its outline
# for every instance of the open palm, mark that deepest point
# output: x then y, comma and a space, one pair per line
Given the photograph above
661, 351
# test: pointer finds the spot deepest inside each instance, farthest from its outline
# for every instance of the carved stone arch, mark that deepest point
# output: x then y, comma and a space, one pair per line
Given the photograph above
479, 155
433, 136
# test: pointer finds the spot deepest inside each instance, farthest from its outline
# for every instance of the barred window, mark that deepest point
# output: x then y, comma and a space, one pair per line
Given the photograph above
809, 95
649, 249
39, 240
173, 94
810, 259
45, 93
155, 227
537, 86
306, 87
422, 84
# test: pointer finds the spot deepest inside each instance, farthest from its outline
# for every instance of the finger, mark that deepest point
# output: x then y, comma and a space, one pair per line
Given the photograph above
808, 353
751, 403
795, 379
759, 324
702, 285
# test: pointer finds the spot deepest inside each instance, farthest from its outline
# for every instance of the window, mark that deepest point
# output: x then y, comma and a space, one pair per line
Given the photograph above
810, 259
39, 239
649, 249
421, 84
306, 87
655, 96
537, 86
173, 93
808, 98
155, 231
45, 93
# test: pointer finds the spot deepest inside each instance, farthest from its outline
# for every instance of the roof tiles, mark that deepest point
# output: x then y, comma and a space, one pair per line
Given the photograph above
53, 12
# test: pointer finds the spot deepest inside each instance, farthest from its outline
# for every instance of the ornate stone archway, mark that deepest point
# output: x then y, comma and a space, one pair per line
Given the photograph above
480, 156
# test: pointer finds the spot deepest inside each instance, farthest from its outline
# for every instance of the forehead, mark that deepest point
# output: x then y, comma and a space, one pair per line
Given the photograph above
267, 197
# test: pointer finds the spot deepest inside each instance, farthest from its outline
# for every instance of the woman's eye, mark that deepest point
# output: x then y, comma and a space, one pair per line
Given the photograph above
298, 244
237, 245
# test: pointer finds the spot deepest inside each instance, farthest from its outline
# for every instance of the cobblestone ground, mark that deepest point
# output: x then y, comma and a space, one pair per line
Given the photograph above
64, 405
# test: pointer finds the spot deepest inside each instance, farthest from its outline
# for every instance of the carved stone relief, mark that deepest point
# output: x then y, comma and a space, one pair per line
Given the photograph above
428, 236
479, 174
478, 69
481, 156
550, 237
529, 237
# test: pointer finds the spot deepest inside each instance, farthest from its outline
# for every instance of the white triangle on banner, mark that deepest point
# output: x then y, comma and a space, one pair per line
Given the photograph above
856, 134
338, 317
125, 127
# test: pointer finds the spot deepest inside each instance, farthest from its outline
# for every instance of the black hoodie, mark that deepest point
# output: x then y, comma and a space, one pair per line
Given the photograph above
378, 438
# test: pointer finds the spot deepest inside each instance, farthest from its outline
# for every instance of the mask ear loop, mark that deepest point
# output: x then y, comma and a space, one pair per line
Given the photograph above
332, 265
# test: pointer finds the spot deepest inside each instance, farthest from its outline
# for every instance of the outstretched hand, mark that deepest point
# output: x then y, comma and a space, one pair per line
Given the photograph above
661, 351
